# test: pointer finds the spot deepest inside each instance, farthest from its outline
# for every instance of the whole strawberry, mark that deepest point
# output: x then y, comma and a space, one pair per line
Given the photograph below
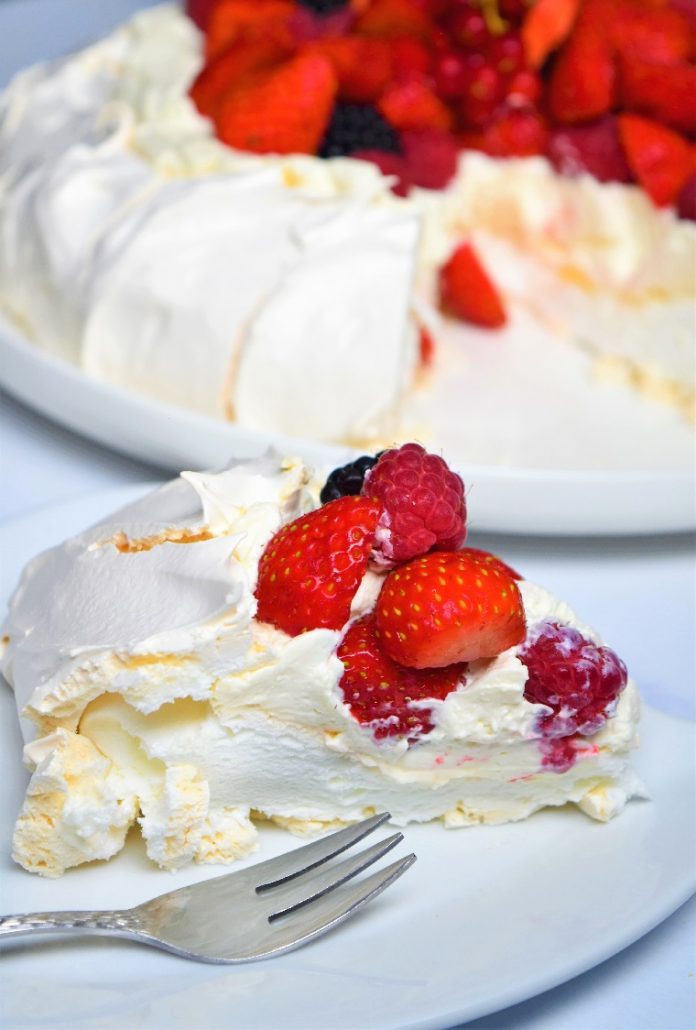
311, 568
448, 607
422, 501
380, 692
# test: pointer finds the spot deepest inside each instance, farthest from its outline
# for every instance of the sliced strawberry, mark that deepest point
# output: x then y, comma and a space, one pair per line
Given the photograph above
234, 21
284, 112
389, 19
363, 67
414, 105
466, 291
381, 693
312, 567
546, 25
652, 33
448, 607
410, 59
594, 148
231, 69
431, 157
661, 161
666, 93
582, 84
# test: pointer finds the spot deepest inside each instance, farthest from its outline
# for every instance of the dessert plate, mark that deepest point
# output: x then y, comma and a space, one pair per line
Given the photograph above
537, 465
488, 916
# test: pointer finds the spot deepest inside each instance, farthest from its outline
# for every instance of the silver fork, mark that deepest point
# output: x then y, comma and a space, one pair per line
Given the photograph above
264, 910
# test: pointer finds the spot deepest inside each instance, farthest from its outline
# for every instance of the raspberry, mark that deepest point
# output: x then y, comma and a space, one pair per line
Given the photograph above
358, 127
380, 692
347, 480
423, 506
578, 679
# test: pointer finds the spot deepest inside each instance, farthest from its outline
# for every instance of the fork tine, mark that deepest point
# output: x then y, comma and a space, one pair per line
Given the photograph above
332, 909
308, 888
277, 870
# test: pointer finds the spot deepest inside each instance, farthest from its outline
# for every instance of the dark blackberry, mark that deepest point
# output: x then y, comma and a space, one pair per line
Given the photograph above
348, 479
323, 6
358, 127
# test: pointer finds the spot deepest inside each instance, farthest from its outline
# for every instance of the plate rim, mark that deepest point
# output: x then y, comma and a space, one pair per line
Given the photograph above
21, 346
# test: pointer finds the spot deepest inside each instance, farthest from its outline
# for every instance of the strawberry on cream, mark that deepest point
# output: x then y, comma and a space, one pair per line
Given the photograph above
150, 690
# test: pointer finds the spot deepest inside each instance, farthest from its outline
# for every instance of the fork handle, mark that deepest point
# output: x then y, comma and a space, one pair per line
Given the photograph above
67, 922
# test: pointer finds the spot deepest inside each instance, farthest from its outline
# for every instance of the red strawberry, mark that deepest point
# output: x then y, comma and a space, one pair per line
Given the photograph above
410, 59
233, 21
466, 291
231, 69
382, 693
363, 67
426, 347
661, 161
389, 19
582, 83
431, 157
448, 607
422, 502
594, 148
491, 560
651, 33
663, 92
414, 105
312, 567
284, 112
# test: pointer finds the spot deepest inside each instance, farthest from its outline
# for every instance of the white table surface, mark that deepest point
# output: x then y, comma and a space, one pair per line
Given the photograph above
652, 984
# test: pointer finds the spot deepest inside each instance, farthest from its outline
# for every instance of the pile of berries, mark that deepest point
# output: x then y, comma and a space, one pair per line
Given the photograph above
598, 86
441, 605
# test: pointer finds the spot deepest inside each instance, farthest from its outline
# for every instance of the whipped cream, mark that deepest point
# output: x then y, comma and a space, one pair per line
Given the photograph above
149, 691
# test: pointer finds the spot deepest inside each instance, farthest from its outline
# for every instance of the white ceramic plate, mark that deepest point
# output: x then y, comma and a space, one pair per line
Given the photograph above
628, 469
486, 918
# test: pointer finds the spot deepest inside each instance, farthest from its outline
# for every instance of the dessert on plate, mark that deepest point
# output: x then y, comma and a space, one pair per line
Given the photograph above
255, 645
177, 202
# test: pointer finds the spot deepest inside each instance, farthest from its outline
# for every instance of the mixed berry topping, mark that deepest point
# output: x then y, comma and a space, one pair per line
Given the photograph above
347, 480
439, 607
578, 679
383, 693
358, 127
422, 504
510, 78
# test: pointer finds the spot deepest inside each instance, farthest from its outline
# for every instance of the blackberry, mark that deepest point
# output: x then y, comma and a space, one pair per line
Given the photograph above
358, 127
348, 479
323, 6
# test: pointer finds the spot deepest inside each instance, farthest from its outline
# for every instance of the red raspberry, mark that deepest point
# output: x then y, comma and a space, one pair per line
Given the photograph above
430, 156
423, 505
381, 693
578, 679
